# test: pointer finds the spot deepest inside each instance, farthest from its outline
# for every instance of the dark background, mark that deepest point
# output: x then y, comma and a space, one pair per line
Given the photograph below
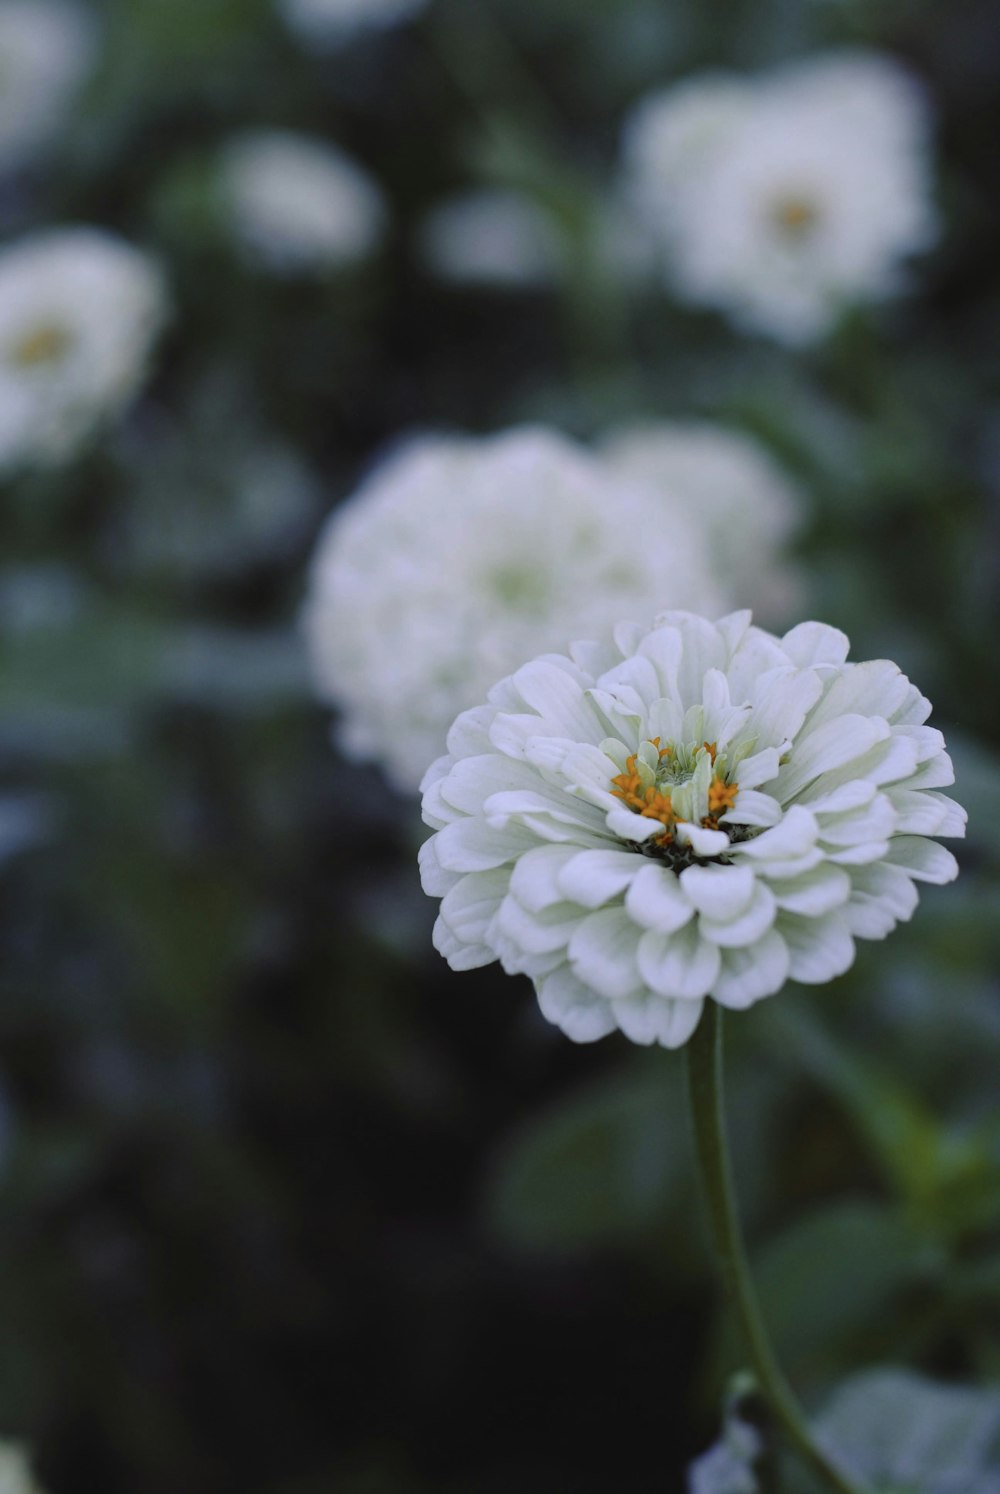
285, 1205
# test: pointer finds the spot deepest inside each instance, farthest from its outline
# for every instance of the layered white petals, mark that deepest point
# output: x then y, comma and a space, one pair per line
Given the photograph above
560, 845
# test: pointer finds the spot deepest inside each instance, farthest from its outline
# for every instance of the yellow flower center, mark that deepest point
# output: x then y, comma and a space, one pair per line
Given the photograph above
795, 216
46, 343
641, 788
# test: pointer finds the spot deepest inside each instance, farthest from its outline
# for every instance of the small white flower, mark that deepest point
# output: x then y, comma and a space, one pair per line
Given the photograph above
784, 199
748, 508
298, 206
46, 51
331, 23
694, 810
458, 558
492, 237
79, 312
15, 1471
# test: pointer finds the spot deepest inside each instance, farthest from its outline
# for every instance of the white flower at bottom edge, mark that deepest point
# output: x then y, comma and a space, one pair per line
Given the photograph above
15, 1470
695, 810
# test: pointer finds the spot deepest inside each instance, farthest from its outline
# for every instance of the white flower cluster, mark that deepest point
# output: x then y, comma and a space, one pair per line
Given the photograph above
695, 810
46, 51
460, 557
783, 199
331, 23
79, 313
298, 206
748, 510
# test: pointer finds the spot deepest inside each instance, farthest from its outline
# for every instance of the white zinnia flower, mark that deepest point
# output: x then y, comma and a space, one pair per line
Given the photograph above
696, 810
333, 22
46, 51
458, 558
79, 312
783, 199
298, 206
748, 508
492, 237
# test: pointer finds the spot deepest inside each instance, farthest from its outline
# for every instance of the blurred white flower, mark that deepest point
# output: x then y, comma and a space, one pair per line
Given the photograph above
748, 509
296, 205
330, 23
494, 237
458, 558
784, 199
79, 312
15, 1471
696, 810
46, 51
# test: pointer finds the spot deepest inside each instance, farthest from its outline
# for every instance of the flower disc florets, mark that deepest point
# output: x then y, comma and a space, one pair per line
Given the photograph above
698, 809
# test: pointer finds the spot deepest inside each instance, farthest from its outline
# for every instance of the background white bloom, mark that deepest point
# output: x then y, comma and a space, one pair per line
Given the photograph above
79, 312
46, 51
492, 237
460, 557
698, 809
297, 205
333, 22
15, 1471
782, 199
747, 506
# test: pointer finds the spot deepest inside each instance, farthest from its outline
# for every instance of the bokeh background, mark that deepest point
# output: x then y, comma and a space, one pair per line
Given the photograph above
285, 1205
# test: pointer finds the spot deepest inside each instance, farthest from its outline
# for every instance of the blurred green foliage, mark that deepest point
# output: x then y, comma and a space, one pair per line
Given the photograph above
284, 1205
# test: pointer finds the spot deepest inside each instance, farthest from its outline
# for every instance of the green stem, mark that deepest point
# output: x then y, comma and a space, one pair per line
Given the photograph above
704, 1067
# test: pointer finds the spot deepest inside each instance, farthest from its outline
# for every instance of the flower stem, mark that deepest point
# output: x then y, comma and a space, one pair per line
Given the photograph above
704, 1069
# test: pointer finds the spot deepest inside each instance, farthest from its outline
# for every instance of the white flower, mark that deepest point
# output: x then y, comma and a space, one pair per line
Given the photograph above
460, 557
15, 1471
783, 199
79, 312
748, 508
492, 237
696, 810
330, 23
298, 206
46, 51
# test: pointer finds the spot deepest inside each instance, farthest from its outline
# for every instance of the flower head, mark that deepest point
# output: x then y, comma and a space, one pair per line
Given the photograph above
782, 200
46, 51
748, 508
695, 810
492, 237
79, 312
331, 23
298, 206
458, 558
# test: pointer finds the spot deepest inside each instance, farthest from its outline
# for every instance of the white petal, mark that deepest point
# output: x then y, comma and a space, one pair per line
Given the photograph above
922, 813
469, 907
645, 1018
534, 878
753, 808
560, 807
924, 860
702, 842
815, 643
679, 965
472, 845
828, 748
887, 886
873, 688
632, 827
567, 1004
664, 648
876, 821
558, 699
781, 700
470, 732
758, 769
434, 878
751, 973
854, 794
820, 948
955, 818
795, 836
603, 953
655, 900
720, 892
593, 878
748, 927
814, 893
473, 779
536, 933
460, 956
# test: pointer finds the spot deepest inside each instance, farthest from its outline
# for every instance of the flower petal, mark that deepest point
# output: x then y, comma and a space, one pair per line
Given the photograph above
820, 948
751, 973
720, 892
750, 926
923, 860
593, 878
645, 1018
567, 1004
814, 893
655, 899
534, 878
603, 953
682, 965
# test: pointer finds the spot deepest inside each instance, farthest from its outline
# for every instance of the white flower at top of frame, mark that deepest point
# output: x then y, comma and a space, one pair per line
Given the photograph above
693, 810
748, 508
47, 49
784, 199
458, 558
79, 312
492, 236
15, 1471
297, 205
333, 22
